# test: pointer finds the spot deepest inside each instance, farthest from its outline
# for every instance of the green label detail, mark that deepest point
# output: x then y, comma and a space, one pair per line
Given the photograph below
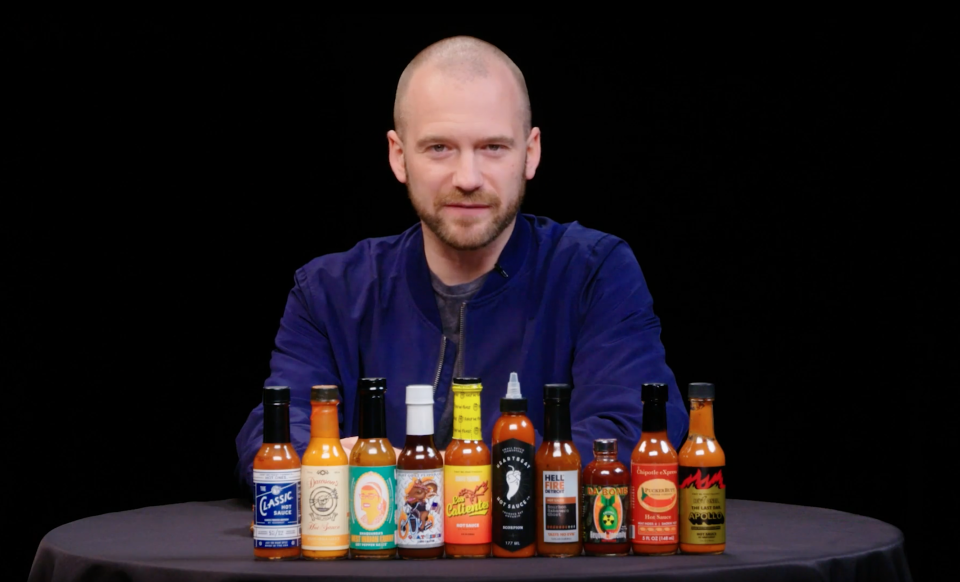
603, 513
703, 505
373, 523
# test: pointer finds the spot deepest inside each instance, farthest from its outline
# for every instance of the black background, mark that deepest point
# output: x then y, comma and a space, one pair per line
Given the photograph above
164, 177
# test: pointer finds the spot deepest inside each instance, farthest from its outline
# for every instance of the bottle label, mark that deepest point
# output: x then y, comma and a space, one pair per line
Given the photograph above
466, 415
325, 507
603, 513
561, 515
703, 497
514, 512
467, 508
654, 507
277, 521
372, 512
419, 508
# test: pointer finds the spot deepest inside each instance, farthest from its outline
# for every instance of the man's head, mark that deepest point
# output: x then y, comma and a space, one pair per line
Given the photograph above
463, 142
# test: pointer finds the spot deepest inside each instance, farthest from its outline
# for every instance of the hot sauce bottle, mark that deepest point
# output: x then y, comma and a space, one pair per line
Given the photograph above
606, 502
558, 478
373, 478
703, 495
514, 511
419, 482
324, 481
466, 477
654, 503
276, 483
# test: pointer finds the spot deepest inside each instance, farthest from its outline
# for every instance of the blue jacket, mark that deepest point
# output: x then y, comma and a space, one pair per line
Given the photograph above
573, 307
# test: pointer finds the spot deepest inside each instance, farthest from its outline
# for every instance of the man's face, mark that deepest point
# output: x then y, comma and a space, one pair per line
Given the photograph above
465, 155
370, 502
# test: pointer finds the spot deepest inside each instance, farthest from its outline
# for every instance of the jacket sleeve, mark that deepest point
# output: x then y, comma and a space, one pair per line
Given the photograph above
302, 357
618, 349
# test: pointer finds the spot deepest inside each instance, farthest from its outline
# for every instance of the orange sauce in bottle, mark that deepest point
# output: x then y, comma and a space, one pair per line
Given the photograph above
324, 482
703, 493
654, 499
276, 482
513, 473
419, 482
558, 479
606, 502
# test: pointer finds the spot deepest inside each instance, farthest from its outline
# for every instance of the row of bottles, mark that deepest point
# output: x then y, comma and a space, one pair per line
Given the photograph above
509, 501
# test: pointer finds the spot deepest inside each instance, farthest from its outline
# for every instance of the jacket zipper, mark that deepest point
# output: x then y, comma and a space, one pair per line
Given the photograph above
443, 348
458, 363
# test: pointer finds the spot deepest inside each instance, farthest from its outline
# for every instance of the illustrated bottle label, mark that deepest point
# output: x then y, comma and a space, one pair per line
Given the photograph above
420, 508
325, 507
604, 517
277, 521
703, 497
466, 415
514, 512
467, 507
654, 504
372, 501
561, 515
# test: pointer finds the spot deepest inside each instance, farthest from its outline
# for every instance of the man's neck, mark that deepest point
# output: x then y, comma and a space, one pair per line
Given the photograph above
455, 267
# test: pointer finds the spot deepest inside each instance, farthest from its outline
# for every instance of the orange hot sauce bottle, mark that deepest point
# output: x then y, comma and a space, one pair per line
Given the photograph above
703, 495
654, 501
466, 477
276, 483
606, 502
325, 481
558, 478
513, 467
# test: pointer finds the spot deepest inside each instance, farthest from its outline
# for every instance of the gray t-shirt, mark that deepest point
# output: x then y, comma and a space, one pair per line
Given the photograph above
450, 300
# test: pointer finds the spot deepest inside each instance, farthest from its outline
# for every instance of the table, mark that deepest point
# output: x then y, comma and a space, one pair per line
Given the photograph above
211, 541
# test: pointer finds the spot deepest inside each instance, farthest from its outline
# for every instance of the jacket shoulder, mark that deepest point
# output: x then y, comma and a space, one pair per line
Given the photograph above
573, 239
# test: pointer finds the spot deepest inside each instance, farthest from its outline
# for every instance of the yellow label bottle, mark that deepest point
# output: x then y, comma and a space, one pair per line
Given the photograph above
324, 482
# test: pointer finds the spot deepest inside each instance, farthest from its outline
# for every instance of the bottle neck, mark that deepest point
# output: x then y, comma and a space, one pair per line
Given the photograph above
556, 421
701, 417
466, 416
654, 417
419, 419
373, 417
276, 423
604, 457
323, 420
414, 440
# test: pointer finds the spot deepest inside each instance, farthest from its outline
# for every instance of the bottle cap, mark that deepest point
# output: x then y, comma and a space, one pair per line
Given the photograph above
276, 395
557, 391
701, 390
466, 380
654, 392
325, 393
513, 401
467, 384
420, 394
372, 386
605, 446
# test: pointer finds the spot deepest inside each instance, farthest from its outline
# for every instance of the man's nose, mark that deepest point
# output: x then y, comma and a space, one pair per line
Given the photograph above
467, 176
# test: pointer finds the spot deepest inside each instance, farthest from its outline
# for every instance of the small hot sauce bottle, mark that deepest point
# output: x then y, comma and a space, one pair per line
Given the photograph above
419, 482
325, 480
373, 478
606, 502
703, 495
276, 483
466, 477
558, 478
654, 502
514, 504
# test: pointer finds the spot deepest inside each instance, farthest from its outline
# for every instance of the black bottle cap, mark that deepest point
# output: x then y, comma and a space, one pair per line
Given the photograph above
372, 386
557, 391
466, 380
605, 446
276, 395
513, 405
701, 390
654, 392
325, 393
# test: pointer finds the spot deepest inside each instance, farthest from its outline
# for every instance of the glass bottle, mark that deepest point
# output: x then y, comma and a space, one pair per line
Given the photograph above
514, 511
466, 477
373, 478
703, 495
276, 482
606, 502
324, 481
654, 507
558, 478
419, 482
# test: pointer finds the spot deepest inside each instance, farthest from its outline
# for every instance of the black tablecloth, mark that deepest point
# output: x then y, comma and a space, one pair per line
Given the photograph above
211, 541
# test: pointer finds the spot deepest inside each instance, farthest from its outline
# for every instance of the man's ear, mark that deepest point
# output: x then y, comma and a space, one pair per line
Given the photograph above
533, 153
396, 156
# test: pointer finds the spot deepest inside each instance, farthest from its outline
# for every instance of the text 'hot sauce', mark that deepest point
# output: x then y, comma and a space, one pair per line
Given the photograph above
419, 482
606, 502
654, 500
325, 481
703, 493
276, 483
514, 502
558, 478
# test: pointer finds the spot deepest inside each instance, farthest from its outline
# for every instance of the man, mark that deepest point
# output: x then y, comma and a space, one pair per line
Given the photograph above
474, 289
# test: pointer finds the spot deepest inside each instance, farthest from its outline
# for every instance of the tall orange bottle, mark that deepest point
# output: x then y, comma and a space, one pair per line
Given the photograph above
466, 477
558, 478
324, 481
654, 502
276, 483
514, 502
703, 495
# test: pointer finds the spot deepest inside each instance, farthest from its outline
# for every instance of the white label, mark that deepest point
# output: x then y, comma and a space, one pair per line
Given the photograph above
561, 506
326, 503
420, 508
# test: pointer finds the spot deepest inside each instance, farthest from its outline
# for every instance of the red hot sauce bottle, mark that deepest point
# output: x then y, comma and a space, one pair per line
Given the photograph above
606, 502
654, 500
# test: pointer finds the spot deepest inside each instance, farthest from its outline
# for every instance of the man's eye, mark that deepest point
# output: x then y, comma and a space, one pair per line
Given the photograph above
494, 147
438, 148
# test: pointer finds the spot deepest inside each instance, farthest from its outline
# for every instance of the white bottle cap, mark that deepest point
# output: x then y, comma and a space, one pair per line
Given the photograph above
420, 394
513, 387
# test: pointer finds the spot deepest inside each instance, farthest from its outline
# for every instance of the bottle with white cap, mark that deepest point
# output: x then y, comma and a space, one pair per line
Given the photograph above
419, 481
514, 507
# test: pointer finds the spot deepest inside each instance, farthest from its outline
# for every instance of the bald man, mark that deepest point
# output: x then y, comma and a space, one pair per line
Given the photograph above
475, 288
